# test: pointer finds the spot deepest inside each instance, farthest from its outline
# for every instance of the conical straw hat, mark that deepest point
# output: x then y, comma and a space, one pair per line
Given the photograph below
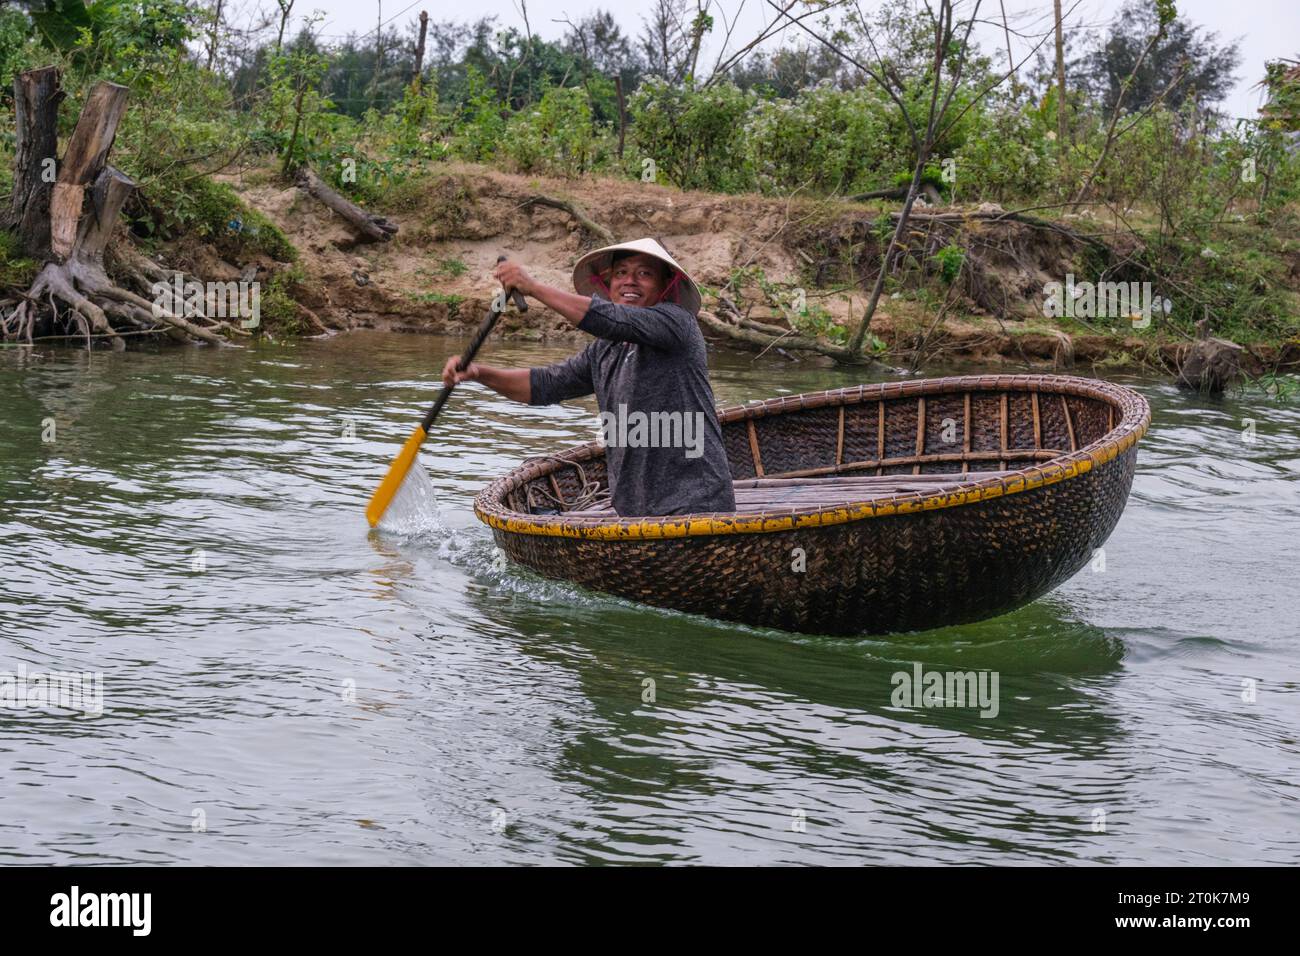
598, 260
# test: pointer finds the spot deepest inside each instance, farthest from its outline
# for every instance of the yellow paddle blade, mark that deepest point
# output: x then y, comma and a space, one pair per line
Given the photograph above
383, 495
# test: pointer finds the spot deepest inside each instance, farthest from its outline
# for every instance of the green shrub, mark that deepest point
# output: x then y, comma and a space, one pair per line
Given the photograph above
554, 137
1006, 155
480, 127
212, 210
823, 140
279, 308
950, 259
16, 270
695, 138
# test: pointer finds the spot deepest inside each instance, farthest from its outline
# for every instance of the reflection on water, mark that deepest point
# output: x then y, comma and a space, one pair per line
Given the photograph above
282, 685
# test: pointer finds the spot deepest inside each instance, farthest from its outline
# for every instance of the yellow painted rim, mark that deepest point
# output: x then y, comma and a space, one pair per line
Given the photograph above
1037, 476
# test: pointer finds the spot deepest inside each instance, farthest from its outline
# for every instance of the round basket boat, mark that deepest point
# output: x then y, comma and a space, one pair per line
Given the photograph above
867, 510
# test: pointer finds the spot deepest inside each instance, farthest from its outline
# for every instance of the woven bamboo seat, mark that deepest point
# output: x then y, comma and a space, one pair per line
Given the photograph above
878, 508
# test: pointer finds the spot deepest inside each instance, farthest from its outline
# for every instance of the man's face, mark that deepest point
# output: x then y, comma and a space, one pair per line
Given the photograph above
637, 280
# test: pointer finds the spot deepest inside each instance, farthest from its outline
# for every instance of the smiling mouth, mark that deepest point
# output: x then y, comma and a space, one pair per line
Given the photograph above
629, 296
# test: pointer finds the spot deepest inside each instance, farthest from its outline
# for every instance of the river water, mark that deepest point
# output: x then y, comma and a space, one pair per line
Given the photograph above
281, 685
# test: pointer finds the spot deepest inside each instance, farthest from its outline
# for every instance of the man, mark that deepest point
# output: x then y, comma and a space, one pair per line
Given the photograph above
647, 370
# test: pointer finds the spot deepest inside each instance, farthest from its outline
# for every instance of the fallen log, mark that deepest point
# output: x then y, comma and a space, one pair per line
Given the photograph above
927, 190
585, 221
372, 227
787, 341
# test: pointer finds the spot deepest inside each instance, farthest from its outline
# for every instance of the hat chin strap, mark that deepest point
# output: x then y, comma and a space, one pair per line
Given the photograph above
672, 289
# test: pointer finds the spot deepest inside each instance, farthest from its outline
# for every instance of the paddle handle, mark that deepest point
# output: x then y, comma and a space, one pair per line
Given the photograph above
484, 330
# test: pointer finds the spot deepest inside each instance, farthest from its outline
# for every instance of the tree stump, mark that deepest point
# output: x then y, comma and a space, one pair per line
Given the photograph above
36, 122
64, 214
1210, 364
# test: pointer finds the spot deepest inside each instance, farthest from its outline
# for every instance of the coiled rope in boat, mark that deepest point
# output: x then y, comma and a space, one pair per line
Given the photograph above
589, 492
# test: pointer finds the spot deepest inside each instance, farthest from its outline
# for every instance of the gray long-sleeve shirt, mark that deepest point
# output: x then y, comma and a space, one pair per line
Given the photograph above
648, 371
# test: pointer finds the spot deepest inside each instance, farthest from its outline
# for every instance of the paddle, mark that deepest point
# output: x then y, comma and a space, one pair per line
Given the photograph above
383, 495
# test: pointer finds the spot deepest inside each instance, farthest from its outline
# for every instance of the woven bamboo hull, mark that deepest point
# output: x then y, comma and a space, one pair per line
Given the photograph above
973, 549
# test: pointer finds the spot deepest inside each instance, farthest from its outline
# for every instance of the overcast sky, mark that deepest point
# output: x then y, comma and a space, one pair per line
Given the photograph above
1266, 29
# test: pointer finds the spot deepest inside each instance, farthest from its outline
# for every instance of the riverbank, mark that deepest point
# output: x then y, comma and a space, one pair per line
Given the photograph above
762, 262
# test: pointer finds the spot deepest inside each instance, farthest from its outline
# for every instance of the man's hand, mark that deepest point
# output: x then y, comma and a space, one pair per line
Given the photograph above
511, 275
568, 304
450, 376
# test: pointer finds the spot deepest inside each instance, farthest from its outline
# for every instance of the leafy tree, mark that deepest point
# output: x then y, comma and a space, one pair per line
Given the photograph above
1187, 61
672, 37
1282, 80
600, 43
786, 72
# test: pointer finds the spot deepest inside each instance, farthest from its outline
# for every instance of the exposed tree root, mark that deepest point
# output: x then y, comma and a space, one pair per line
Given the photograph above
69, 225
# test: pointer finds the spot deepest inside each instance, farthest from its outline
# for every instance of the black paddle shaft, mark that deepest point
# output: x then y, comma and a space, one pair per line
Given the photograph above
484, 330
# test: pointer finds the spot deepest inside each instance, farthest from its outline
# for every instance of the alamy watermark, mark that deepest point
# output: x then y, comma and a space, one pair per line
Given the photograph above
927, 689
1135, 301
216, 300
130, 910
52, 690
624, 429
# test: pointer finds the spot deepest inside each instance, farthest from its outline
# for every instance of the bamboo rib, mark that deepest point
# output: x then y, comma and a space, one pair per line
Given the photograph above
1004, 429
920, 433
1038, 427
839, 440
880, 436
1069, 425
965, 445
753, 449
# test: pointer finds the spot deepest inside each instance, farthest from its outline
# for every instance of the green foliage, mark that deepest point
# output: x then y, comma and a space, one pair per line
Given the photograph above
125, 41
931, 175
480, 127
883, 230
213, 211
950, 259
694, 136
822, 140
1240, 283
1006, 155
1283, 388
805, 317
451, 300
294, 102
279, 308
556, 137
1282, 79
1184, 66
14, 32
816, 321
16, 270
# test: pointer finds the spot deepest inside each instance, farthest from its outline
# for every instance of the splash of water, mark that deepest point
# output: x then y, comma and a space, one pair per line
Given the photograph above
414, 510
